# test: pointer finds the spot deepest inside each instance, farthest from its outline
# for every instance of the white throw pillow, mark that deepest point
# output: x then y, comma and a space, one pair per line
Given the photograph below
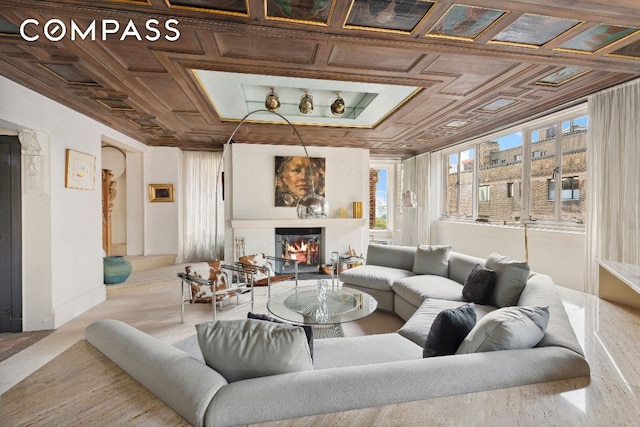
511, 278
432, 260
508, 328
249, 348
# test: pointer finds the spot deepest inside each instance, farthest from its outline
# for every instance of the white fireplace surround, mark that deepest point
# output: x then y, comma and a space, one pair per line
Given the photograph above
250, 204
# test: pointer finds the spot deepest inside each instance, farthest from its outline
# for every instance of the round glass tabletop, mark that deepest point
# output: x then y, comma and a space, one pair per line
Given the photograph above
303, 305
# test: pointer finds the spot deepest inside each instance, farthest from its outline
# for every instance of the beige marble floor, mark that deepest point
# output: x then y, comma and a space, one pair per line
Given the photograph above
609, 334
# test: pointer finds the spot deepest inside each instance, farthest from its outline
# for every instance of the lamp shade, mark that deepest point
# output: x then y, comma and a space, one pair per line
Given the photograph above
313, 206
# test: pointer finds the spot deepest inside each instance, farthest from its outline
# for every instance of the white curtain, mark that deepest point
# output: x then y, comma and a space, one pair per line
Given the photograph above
613, 183
415, 221
203, 228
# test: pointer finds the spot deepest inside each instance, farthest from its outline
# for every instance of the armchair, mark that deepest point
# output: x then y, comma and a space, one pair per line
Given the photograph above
208, 282
261, 268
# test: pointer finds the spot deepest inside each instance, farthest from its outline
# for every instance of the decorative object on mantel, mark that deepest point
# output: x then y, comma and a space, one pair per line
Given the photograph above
312, 205
116, 269
357, 209
161, 193
80, 170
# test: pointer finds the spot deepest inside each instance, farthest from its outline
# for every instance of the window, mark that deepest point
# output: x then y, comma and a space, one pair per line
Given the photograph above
381, 200
383, 177
570, 188
534, 172
460, 184
506, 149
483, 193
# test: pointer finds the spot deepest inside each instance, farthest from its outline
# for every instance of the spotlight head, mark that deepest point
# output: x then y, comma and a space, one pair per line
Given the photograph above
272, 101
337, 106
306, 104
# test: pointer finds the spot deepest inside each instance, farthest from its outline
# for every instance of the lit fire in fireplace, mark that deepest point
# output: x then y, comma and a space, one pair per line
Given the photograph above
305, 251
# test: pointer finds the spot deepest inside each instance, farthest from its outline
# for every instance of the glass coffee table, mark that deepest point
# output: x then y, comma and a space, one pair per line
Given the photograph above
305, 305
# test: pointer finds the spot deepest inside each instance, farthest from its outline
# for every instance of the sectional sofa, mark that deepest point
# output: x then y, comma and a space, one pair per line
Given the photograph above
350, 373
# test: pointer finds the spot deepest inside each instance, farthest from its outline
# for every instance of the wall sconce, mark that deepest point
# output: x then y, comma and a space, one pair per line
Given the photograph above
272, 101
306, 104
337, 106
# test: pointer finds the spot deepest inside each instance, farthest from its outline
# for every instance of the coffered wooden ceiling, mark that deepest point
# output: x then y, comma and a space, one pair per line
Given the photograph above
481, 65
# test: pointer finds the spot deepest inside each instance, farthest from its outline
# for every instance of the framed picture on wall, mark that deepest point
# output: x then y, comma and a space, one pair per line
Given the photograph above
297, 176
80, 170
161, 192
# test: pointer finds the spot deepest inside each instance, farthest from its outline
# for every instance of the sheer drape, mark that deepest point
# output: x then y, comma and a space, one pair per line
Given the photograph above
613, 165
203, 207
415, 221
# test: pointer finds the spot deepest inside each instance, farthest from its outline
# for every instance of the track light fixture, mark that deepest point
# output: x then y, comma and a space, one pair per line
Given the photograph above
272, 101
306, 103
337, 106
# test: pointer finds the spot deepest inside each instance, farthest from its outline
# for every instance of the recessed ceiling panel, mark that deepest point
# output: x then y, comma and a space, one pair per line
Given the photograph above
314, 12
629, 51
387, 15
596, 38
234, 95
534, 30
465, 22
562, 76
230, 7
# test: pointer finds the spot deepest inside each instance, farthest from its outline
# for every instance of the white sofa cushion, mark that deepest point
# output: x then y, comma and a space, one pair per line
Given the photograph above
374, 276
508, 328
363, 350
432, 259
249, 348
416, 289
511, 278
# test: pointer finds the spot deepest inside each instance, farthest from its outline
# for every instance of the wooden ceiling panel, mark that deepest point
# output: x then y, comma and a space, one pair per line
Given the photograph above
167, 91
146, 90
266, 48
373, 58
134, 59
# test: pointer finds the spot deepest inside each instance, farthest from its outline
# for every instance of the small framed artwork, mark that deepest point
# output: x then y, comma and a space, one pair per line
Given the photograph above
161, 192
80, 171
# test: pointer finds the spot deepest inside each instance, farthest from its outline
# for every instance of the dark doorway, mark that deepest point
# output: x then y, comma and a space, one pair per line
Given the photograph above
10, 235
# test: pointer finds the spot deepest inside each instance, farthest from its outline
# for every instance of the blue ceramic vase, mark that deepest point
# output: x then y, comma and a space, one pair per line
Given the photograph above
116, 269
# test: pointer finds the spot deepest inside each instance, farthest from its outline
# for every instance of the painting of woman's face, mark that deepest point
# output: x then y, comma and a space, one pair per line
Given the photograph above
295, 179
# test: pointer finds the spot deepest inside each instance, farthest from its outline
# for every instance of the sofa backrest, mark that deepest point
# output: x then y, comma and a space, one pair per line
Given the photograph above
460, 265
394, 256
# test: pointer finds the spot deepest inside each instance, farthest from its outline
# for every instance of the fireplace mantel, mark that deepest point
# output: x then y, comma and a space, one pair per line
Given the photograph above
296, 222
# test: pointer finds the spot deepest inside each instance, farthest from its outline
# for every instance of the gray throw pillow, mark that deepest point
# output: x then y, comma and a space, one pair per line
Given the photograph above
432, 260
508, 328
511, 278
479, 284
448, 330
308, 331
250, 348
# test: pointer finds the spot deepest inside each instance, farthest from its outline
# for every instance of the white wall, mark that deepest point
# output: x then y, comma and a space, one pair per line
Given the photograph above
558, 254
162, 165
62, 227
252, 196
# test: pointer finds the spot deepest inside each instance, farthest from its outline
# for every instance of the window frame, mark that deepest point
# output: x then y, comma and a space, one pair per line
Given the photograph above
526, 128
392, 167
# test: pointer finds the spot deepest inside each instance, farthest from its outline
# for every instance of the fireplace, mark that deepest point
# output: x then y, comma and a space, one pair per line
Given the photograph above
299, 244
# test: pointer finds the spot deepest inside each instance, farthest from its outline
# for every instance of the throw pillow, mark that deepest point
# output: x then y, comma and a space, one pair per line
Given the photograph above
308, 331
479, 284
250, 348
508, 328
511, 278
432, 260
448, 330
